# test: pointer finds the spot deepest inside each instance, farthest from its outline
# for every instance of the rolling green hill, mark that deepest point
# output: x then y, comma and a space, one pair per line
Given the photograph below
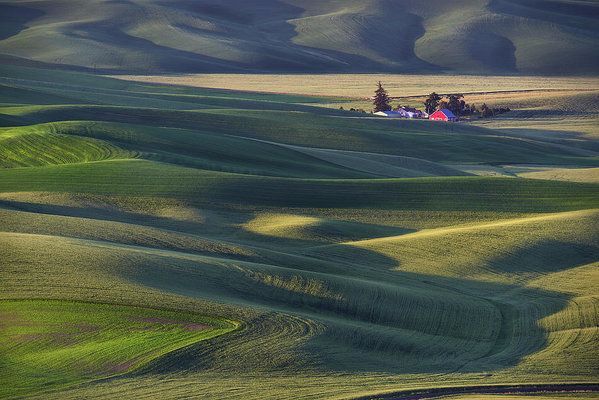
150, 36
172, 242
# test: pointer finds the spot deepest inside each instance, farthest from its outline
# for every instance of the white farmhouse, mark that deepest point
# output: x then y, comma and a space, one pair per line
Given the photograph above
408, 112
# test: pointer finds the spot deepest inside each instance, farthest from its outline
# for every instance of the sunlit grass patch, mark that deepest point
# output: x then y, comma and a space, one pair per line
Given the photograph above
54, 343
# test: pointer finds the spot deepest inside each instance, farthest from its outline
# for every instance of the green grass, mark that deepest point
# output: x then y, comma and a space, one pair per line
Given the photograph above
145, 178
49, 344
355, 253
180, 129
35, 146
418, 139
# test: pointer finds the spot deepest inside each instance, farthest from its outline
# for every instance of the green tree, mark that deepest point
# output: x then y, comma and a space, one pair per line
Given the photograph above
486, 112
381, 99
454, 104
432, 102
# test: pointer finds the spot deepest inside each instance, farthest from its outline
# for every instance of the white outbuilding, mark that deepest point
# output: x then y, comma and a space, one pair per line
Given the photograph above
389, 114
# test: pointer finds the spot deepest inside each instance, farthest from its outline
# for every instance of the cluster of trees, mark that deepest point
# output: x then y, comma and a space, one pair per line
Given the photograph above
456, 104
453, 102
431, 104
487, 112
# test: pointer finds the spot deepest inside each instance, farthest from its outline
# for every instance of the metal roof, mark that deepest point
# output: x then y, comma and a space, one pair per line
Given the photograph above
448, 113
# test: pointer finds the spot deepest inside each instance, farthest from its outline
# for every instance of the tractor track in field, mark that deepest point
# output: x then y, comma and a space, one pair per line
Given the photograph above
542, 388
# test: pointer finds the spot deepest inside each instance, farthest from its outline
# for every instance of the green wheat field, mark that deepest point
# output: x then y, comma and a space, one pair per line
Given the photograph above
189, 210
171, 242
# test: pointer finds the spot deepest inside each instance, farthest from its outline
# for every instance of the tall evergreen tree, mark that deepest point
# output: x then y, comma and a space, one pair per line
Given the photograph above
381, 99
432, 102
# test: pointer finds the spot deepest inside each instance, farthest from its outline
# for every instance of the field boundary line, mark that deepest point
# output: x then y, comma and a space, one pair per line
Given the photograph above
432, 393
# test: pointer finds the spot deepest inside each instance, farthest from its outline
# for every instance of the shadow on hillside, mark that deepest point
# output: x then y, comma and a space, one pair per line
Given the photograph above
269, 31
549, 11
160, 59
241, 37
498, 53
371, 319
545, 257
546, 135
365, 327
259, 37
14, 19
349, 313
104, 213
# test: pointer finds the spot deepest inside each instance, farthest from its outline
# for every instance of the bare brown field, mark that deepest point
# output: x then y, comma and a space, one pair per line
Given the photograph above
550, 114
541, 99
560, 174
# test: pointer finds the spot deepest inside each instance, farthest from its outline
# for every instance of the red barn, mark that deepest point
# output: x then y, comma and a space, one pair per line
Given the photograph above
443, 115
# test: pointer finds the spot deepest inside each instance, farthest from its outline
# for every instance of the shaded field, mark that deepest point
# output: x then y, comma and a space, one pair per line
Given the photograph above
572, 391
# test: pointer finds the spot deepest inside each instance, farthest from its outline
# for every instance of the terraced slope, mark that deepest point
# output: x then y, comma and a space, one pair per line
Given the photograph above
506, 36
351, 255
32, 146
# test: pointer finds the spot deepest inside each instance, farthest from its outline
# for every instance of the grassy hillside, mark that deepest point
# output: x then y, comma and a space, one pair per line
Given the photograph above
506, 36
175, 242
66, 342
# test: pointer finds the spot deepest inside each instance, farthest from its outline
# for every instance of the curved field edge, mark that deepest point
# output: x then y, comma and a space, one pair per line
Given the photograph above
39, 146
513, 389
50, 345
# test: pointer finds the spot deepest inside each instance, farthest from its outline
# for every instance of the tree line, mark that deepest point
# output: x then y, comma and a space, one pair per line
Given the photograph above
453, 102
457, 105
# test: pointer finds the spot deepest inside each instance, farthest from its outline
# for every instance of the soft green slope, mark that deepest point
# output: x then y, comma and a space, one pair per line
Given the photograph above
34, 146
354, 257
405, 323
67, 342
547, 37
145, 178
266, 117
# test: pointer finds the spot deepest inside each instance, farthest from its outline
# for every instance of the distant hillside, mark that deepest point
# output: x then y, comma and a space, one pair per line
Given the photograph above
155, 36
